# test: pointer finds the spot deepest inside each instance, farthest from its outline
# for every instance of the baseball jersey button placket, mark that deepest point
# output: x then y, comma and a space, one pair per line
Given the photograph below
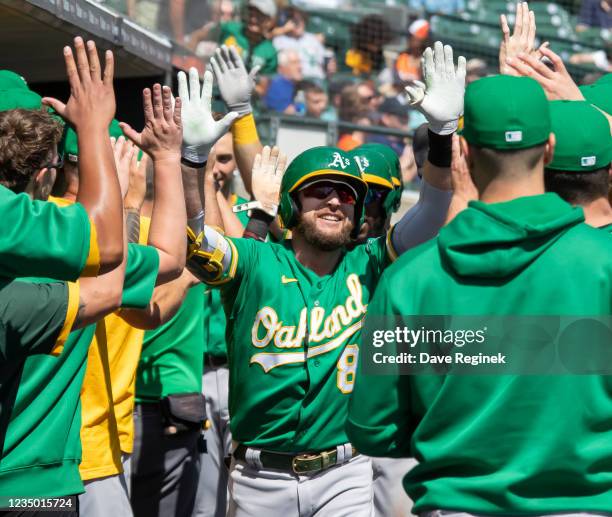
316, 303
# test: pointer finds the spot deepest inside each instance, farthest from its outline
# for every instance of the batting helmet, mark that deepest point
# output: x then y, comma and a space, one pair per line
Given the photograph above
314, 165
376, 171
395, 197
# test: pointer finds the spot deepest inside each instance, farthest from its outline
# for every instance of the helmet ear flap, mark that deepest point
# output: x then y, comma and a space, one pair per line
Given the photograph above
288, 210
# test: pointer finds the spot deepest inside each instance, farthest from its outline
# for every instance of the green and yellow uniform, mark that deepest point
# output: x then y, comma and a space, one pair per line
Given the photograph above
31, 243
292, 336
263, 54
42, 446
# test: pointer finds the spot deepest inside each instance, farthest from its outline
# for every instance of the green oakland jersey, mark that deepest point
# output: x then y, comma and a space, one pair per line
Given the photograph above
26, 248
607, 228
263, 54
41, 448
292, 339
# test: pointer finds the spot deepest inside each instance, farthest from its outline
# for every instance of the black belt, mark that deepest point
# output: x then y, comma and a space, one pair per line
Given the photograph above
215, 361
299, 464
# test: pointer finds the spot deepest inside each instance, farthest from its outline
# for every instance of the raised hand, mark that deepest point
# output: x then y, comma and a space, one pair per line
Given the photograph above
440, 99
123, 150
522, 39
162, 134
235, 83
137, 188
268, 170
92, 98
200, 129
557, 83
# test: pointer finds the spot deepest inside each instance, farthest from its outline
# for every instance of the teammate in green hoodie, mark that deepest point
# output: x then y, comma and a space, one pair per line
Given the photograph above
497, 444
580, 171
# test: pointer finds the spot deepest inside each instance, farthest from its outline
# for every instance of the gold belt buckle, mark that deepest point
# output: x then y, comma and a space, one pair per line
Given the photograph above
304, 463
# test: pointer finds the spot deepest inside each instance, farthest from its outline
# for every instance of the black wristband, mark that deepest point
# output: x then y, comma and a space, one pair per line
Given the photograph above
258, 226
440, 149
191, 164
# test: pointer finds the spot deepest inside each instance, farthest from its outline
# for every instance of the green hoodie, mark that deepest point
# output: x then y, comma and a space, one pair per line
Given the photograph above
496, 444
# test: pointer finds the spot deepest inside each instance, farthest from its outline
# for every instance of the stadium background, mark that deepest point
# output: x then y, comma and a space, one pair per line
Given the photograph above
32, 33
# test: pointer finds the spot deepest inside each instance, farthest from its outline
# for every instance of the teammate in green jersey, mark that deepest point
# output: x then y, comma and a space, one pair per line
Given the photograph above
294, 313
580, 171
25, 247
497, 444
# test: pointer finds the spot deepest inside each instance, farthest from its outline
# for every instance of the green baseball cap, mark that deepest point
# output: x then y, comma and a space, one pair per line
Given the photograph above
583, 137
506, 112
70, 145
395, 198
600, 93
10, 80
19, 98
374, 167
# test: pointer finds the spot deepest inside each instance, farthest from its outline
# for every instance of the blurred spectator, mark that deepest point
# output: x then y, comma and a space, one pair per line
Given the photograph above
177, 18
370, 97
595, 13
475, 68
393, 115
226, 11
335, 90
437, 6
407, 66
317, 103
368, 37
251, 35
309, 46
602, 59
353, 109
281, 91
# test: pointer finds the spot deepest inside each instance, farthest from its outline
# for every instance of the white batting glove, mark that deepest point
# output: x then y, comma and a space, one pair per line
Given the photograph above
200, 130
235, 84
268, 170
440, 99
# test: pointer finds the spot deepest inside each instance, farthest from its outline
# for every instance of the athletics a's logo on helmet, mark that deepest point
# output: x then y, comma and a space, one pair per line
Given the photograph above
363, 163
339, 162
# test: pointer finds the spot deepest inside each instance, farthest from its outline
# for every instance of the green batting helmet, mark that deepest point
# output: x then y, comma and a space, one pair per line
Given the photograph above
316, 164
395, 197
376, 171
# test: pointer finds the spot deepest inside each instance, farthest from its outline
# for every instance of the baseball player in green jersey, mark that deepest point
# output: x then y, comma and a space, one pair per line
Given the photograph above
96, 246
294, 312
497, 444
580, 170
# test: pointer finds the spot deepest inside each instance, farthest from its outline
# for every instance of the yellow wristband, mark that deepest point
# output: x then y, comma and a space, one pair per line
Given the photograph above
244, 130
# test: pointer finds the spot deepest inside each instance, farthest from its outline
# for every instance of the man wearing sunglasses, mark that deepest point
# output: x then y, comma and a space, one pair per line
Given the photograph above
295, 311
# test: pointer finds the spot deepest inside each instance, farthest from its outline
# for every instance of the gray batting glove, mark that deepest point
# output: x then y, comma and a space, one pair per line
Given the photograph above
235, 83
200, 129
440, 99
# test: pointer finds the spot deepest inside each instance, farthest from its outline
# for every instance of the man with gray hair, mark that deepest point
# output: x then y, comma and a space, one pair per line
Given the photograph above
281, 91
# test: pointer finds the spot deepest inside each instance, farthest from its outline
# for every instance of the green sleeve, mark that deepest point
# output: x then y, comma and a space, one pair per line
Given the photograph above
140, 276
32, 317
378, 252
243, 256
265, 56
379, 422
41, 239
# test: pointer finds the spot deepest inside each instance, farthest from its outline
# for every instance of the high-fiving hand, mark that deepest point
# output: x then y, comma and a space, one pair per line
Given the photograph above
162, 134
200, 129
235, 83
268, 170
92, 98
522, 39
440, 99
